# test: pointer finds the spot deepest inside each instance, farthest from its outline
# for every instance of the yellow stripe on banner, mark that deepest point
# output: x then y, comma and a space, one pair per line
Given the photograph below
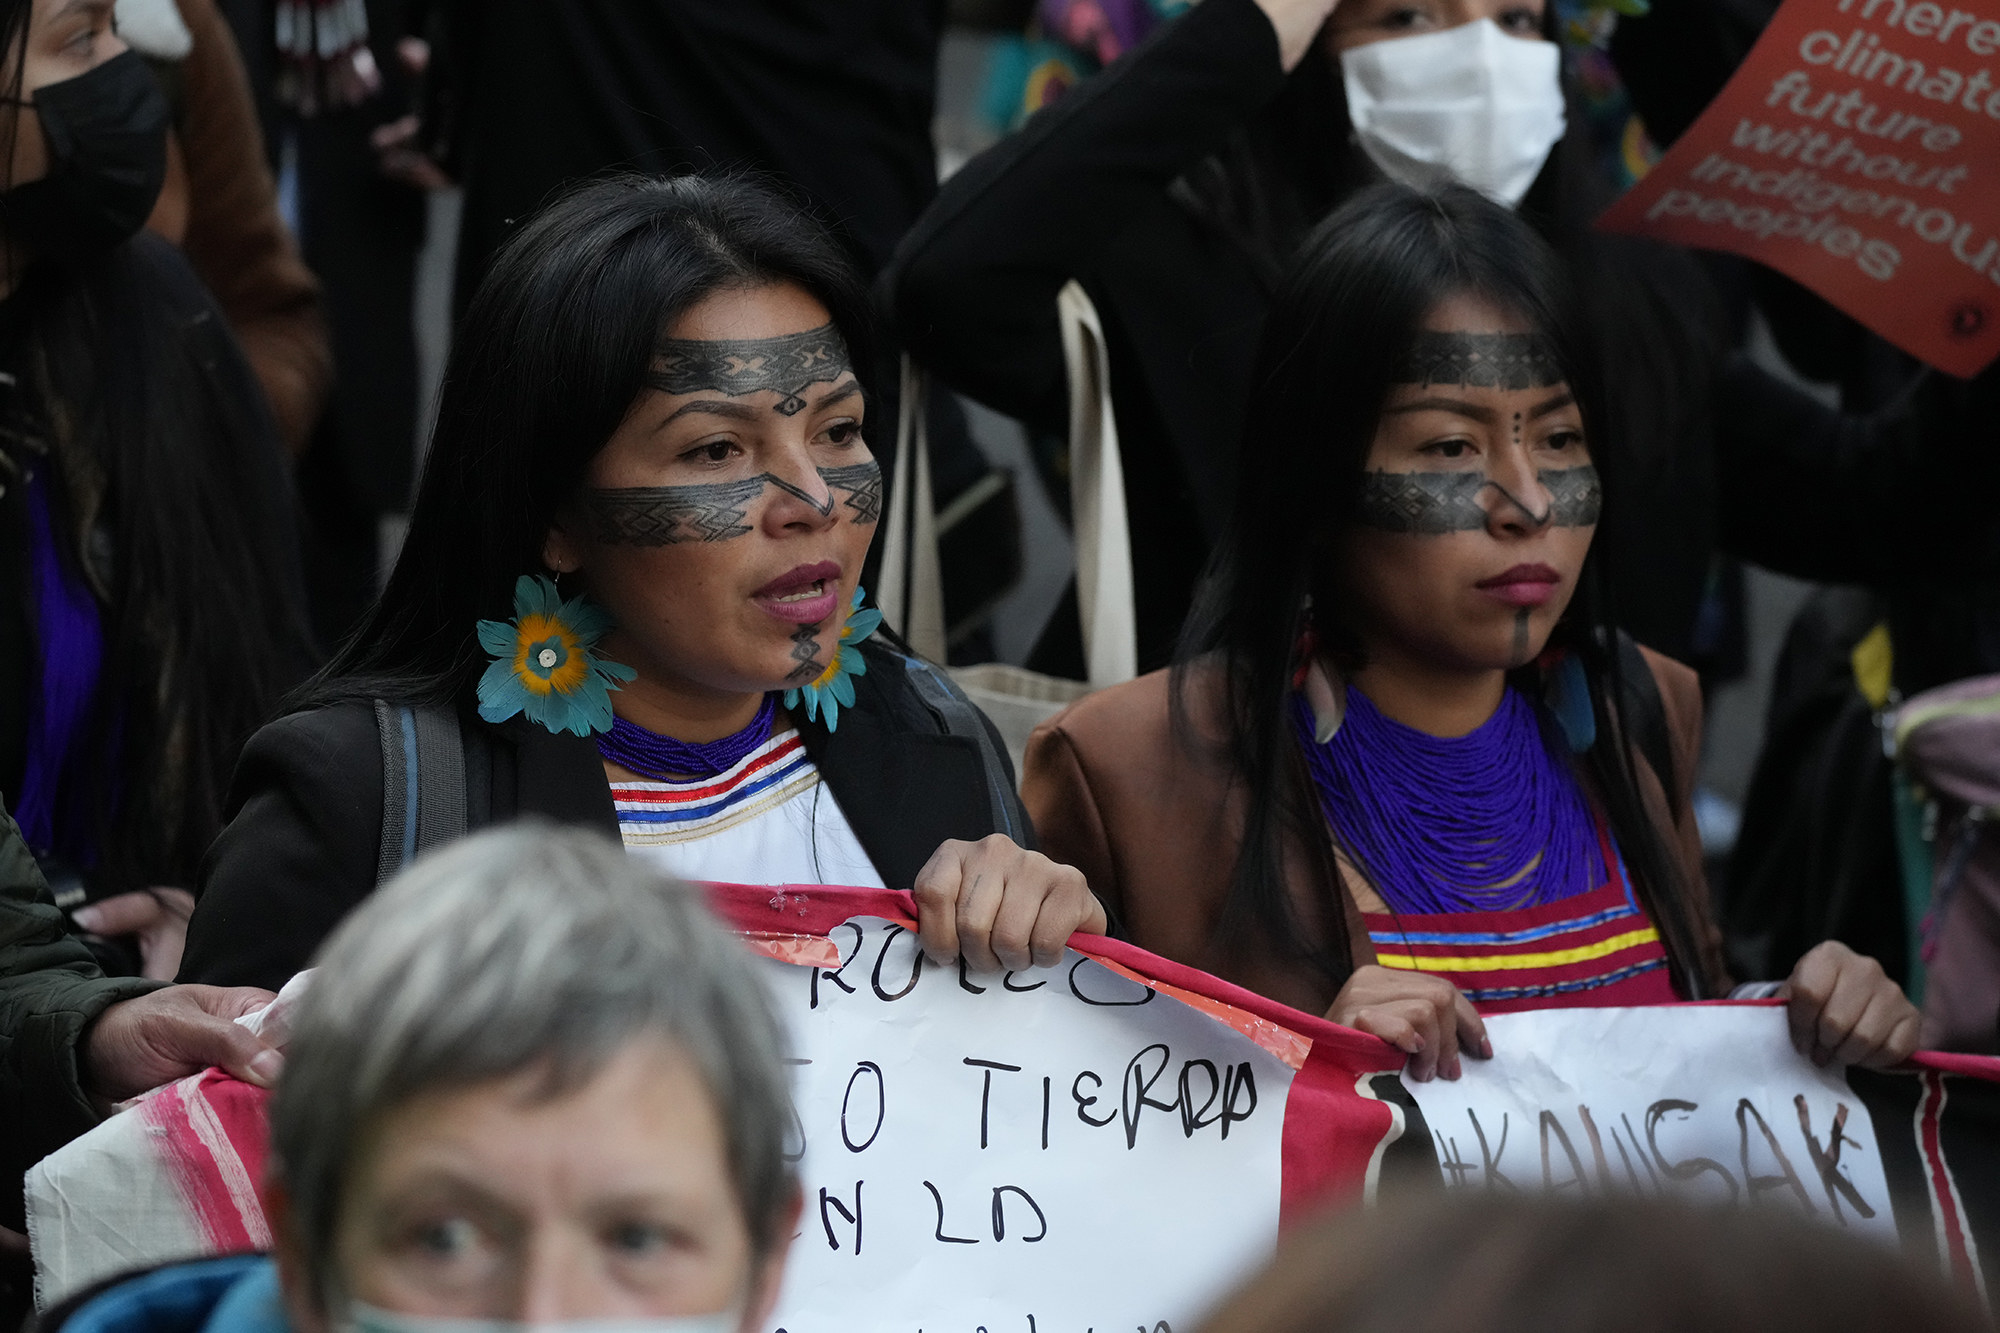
1508, 962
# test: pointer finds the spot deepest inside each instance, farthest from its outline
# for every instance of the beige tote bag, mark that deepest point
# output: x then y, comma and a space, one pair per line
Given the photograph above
912, 596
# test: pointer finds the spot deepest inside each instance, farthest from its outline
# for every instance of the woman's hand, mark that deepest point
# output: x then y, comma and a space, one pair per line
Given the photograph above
1423, 1016
1844, 1009
1001, 906
159, 917
1297, 22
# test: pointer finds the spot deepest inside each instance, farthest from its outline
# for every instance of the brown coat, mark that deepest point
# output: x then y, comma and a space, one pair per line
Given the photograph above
1155, 822
220, 206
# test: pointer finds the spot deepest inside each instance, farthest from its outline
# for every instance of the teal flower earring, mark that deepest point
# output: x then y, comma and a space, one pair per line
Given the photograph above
833, 688
543, 665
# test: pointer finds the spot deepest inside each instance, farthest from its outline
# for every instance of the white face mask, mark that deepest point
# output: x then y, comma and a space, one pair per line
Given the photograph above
1469, 104
364, 1318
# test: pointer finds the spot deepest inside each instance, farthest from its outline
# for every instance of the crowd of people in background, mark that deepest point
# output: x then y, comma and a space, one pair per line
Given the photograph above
1435, 494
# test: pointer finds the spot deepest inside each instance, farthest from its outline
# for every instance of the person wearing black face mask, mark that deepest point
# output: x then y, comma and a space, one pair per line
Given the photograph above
150, 603
105, 131
149, 588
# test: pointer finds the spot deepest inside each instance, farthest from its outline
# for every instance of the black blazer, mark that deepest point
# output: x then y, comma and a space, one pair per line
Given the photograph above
912, 764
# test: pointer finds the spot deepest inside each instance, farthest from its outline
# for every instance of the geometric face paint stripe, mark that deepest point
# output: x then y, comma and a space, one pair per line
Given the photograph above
1434, 503
739, 366
1480, 361
716, 511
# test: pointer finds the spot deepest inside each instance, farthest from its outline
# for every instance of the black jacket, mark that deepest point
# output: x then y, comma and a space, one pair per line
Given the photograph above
912, 764
835, 100
1101, 187
50, 992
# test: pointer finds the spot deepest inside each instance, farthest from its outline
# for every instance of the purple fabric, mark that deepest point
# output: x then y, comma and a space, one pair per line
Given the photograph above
70, 634
1451, 824
1104, 29
655, 756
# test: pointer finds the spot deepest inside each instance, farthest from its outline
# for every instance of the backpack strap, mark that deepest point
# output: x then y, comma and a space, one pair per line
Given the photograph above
961, 717
424, 790
1645, 712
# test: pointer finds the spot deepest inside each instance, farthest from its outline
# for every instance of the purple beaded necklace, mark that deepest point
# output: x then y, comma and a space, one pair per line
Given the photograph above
1450, 824
655, 756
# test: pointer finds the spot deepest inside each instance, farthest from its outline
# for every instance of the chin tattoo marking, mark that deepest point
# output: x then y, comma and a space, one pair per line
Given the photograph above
716, 511
1520, 653
805, 651
1481, 360
1434, 503
786, 366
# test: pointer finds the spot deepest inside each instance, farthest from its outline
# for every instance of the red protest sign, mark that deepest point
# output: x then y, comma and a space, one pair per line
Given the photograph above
1858, 151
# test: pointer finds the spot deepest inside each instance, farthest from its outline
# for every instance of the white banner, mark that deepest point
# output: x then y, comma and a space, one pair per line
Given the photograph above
1049, 1152
1703, 1102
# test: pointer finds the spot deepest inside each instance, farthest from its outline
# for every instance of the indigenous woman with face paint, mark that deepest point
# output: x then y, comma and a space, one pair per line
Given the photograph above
1177, 184
150, 598
630, 599
1407, 771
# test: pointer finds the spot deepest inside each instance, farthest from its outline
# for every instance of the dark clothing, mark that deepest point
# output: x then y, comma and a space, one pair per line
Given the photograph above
1107, 186
50, 991
1899, 499
911, 764
835, 99
172, 507
1084, 191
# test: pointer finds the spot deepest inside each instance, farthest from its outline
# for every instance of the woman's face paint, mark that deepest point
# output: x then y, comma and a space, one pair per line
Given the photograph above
1479, 501
724, 523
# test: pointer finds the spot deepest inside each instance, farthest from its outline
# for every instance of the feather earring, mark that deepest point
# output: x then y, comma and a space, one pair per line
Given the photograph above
1566, 690
1326, 696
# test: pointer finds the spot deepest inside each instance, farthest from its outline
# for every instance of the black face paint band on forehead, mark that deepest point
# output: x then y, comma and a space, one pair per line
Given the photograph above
738, 366
716, 511
1480, 360
1433, 503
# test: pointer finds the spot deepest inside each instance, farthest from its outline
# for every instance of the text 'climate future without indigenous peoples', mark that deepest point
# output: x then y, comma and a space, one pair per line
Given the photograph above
1855, 149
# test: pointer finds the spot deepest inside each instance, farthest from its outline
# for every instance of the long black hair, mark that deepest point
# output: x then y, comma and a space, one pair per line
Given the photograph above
170, 500
551, 355
1348, 312
1652, 311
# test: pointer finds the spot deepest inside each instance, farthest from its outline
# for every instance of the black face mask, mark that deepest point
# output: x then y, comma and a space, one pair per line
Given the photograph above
106, 133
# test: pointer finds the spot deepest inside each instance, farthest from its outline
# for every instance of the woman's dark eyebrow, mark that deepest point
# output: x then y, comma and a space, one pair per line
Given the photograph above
1555, 404
1457, 406
741, 411
719, 407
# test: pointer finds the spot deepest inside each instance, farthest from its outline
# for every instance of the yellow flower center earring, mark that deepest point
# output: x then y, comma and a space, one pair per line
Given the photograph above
543, 664
833, 688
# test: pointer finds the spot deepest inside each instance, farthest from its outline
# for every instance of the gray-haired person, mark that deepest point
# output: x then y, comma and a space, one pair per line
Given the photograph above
531, 1082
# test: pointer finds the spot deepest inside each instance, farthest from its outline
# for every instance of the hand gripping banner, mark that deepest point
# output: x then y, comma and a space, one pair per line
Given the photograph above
1112, 1142
1108, 1143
